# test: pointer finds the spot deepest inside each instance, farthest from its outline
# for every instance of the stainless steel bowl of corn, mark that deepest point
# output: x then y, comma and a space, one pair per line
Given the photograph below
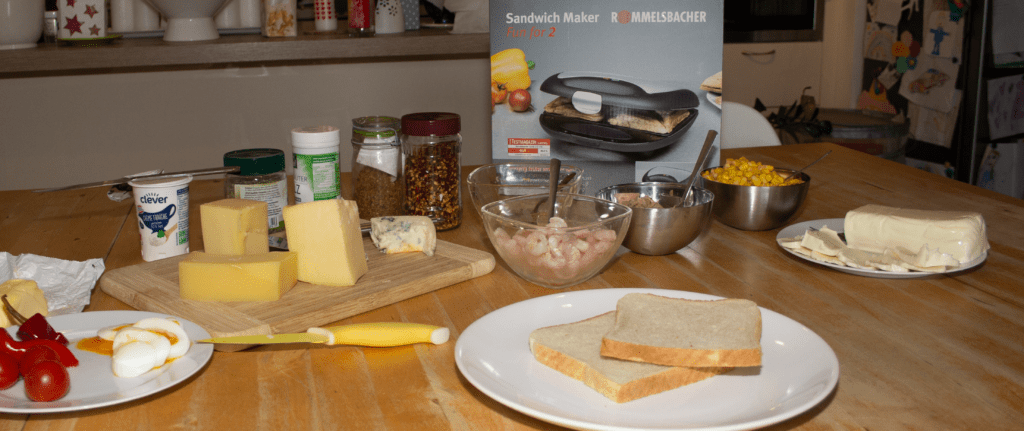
753, 196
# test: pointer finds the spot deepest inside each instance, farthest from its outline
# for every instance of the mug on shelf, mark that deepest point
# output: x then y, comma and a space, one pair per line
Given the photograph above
82, 19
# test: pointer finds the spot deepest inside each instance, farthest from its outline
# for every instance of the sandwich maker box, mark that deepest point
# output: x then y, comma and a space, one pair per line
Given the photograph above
613, 86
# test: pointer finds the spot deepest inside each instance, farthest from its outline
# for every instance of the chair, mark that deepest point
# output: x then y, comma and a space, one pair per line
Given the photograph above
743, 126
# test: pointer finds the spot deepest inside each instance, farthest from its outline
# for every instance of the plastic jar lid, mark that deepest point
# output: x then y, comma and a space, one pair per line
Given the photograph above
256, 161
316, 137
376, 129
431, 124
171, 181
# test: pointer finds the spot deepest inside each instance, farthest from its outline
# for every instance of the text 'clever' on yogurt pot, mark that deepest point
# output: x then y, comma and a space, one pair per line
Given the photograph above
315, 157
162, 208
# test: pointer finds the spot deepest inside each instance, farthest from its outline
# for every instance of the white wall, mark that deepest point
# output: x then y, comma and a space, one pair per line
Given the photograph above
65, 130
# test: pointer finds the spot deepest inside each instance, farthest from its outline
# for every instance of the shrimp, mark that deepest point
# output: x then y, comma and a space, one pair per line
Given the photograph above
605, 235
581, 245
501, 239
557, 222
537, 243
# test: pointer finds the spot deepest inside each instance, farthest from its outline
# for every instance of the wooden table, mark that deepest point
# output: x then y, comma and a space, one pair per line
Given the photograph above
938, 353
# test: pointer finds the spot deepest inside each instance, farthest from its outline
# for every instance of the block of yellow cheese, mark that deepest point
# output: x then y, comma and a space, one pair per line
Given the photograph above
221, 278
25, 296
326, 236
234, 227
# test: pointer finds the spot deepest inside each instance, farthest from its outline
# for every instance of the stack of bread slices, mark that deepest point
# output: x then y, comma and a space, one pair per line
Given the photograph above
652, 344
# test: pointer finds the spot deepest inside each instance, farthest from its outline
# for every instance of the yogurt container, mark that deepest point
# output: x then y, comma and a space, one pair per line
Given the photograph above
162, 208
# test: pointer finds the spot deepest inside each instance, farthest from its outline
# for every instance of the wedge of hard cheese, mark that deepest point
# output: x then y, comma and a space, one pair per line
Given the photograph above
254, 277
326, 236
877, 228
574, 349
234, 227
682, 332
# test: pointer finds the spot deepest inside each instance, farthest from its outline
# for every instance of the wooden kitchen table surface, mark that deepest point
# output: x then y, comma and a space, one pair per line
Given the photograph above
936, 353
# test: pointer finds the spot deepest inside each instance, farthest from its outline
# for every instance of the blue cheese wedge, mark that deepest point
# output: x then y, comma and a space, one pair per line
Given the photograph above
403, 234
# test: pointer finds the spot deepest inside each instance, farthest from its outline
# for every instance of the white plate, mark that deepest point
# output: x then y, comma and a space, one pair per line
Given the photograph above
798, 371
93, 383
711, 98
837, 224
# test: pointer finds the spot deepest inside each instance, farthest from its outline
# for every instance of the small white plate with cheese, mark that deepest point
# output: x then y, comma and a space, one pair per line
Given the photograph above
93, 383
837, 224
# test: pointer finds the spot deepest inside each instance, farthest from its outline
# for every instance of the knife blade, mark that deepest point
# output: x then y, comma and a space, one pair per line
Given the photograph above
126, 179
380, 334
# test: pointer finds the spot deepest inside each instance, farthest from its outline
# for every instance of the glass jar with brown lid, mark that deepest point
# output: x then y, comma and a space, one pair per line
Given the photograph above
432, 147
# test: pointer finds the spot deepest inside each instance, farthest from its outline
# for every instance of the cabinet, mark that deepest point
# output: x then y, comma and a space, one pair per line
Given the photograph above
776, 73
78, 114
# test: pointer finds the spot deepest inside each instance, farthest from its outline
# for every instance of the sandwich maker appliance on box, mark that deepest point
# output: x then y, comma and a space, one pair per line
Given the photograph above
612, 96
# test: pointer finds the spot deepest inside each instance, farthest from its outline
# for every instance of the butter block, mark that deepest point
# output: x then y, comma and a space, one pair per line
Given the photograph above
25, 296
234, 227
403, 234
876, 228
221, 278
326, 236
825, 241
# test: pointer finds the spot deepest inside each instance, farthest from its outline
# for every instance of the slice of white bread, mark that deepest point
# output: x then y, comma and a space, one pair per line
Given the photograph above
574, 349
682, 332
713, 83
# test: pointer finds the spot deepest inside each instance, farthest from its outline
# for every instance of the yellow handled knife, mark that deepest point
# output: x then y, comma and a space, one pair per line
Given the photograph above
383, 334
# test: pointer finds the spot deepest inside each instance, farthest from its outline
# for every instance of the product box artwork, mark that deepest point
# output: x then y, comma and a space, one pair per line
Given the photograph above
609, 86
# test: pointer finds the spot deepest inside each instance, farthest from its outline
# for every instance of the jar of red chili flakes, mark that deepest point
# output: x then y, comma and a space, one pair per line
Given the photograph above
433, 160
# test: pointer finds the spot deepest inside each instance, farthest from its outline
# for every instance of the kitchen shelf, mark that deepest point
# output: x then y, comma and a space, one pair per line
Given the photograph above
154, 54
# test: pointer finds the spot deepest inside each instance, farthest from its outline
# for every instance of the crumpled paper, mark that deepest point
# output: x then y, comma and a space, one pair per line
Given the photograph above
66, 284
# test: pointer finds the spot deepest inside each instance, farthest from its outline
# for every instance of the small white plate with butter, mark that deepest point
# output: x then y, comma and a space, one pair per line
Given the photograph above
93, 383
837, 224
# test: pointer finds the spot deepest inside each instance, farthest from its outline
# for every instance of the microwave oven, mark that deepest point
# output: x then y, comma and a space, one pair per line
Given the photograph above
773, 20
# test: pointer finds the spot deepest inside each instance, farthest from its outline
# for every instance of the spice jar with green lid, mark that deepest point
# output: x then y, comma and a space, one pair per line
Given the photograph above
377, 167
432, 147
261, 177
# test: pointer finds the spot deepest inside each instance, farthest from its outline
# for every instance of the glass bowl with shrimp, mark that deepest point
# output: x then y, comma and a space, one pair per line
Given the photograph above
561, 249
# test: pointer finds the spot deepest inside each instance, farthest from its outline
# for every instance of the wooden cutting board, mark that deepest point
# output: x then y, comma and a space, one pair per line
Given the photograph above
153, 286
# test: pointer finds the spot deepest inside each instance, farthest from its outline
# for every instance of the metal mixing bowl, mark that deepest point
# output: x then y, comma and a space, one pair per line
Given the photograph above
661, 231
757, 208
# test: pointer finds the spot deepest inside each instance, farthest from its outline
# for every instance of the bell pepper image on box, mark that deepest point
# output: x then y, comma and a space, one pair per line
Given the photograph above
510, 79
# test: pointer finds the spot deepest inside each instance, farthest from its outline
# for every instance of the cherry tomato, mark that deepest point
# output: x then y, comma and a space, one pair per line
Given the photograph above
47, 381
519, 101
8, 370
498, 93
35, 355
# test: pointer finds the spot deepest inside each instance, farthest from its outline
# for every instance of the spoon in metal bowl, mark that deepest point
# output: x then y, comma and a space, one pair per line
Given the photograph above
556, 167
688, 199
805, 167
